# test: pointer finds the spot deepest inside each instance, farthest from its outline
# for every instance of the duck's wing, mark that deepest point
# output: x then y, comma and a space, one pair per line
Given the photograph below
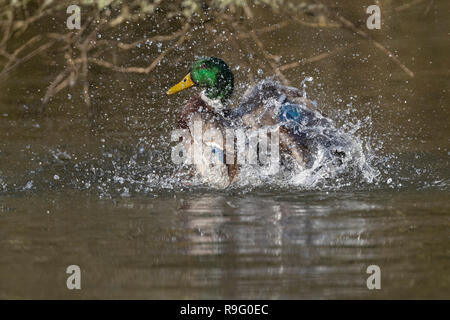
264, 105
265, 94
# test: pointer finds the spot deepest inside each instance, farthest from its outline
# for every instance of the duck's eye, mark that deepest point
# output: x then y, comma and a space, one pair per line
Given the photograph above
203, 66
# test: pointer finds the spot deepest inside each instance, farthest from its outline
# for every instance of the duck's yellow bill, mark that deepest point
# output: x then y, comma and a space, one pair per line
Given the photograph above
183, 84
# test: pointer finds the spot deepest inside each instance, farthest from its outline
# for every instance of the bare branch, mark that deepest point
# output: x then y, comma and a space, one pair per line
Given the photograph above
408, 5
127, 46
348, 24
143, 70
272, 59
26, 58
316, 58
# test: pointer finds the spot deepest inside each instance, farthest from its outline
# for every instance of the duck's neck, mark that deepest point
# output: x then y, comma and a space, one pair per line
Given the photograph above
215, 103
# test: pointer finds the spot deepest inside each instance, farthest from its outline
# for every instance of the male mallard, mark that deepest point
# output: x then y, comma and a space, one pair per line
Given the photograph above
267, 104
207, 110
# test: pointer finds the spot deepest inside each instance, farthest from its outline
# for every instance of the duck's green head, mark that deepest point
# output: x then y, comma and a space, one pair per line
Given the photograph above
210, 73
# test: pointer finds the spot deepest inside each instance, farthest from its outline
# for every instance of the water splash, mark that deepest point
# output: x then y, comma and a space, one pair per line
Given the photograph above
121, 168
3, 184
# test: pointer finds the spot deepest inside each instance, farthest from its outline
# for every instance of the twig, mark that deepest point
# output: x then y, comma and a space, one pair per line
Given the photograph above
429, 6
84, 49
237, 45
56, 86
12, 57
142, 70
26, 44
318, 25
7, 31
408, 5
6, 54
315, 58
271, 59
127, 46
346, 23
26, 58
247, 10
246, 35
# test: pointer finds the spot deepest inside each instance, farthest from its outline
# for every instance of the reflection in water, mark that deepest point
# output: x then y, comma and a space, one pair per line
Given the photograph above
223, 223
205, 218
296, 245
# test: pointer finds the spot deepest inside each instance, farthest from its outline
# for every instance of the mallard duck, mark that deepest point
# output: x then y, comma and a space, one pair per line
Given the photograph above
206, 112
267, 104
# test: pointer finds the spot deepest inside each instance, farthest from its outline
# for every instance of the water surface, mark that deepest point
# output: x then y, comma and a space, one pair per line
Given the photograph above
97, 192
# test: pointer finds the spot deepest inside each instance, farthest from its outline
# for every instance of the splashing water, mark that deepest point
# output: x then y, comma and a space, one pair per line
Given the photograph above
337, 158
146, 168
2, 184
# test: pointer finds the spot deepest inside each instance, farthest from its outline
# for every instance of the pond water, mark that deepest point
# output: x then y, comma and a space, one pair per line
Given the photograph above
98, 192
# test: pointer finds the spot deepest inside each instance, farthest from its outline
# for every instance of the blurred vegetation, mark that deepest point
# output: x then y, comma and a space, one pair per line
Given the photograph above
36, 28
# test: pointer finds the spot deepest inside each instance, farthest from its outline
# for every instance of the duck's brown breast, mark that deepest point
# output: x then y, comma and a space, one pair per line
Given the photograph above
195, 105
